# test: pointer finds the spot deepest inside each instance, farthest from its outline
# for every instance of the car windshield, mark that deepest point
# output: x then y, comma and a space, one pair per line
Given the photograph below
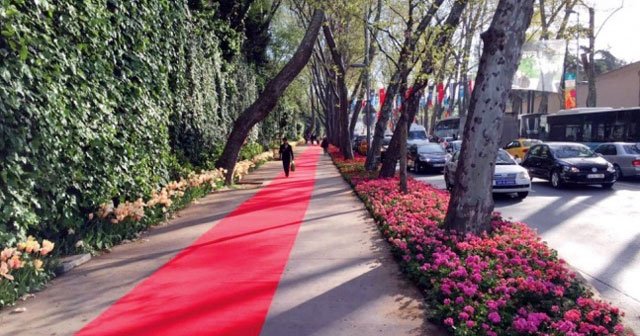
417, 135
632, 149
572, 151
529, 143
456, 146
431, 149
504, 158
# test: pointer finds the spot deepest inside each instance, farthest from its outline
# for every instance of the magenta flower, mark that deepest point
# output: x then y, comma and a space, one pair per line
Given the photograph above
494, 317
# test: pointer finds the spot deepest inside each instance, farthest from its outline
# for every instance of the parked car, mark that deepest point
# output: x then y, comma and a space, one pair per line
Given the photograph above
358, 142
569, 163
518, 148
417, 135
385, 144
430, 156
454, 146
508, 176
625, 157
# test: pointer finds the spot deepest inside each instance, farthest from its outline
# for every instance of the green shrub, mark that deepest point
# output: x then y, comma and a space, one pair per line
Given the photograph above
250, 150
107, 101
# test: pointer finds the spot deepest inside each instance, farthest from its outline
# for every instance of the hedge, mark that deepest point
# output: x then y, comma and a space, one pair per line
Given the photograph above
107, 101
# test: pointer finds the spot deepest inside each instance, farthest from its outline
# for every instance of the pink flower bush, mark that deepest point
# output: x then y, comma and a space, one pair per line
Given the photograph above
506, 282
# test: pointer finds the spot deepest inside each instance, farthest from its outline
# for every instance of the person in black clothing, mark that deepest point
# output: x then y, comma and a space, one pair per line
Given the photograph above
325, 144
286, 154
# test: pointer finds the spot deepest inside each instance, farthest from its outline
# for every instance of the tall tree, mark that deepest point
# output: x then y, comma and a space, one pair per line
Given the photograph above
268, 99
397, 146
344, 138
401, 72
588, 61
471, 203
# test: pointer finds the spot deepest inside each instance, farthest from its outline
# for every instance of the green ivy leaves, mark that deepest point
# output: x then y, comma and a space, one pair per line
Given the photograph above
107, 100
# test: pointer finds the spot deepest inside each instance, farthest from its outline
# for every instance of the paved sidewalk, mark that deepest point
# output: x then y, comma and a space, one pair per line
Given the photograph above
340, 278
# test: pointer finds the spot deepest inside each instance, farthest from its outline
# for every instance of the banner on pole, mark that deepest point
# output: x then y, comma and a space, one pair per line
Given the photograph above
570, 91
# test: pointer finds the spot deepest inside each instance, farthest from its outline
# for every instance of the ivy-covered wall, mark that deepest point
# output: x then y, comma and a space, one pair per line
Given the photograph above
106, 100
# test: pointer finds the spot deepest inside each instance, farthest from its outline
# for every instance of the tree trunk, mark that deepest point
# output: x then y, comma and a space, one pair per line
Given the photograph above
344, 140
381, 124
399, 137
403, 125
471, 203
357, 97
268, 99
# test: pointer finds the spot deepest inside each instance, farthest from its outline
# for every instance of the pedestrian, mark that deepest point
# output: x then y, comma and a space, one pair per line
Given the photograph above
314, 139
286, 154
325, 144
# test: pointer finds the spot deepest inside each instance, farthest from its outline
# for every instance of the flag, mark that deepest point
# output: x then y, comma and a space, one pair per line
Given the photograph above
408, 93
374, 101
440, 89
430, 97
382, 95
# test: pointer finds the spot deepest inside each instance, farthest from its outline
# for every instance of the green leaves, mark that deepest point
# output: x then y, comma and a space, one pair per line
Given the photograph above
104, 101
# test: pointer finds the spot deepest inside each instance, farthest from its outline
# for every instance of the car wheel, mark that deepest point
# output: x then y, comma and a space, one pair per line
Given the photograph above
556, 180
607, 185
523, 195
618, 172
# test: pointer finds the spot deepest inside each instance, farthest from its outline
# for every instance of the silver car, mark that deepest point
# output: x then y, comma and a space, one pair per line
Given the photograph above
508, 176
625, 157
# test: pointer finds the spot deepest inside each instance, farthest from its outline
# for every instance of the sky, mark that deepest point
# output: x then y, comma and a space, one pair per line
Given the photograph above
619, 33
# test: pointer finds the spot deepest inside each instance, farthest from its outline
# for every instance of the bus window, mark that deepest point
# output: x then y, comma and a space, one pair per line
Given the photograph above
573, 133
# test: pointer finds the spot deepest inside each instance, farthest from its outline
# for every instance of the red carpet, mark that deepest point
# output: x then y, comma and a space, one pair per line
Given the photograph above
224, 282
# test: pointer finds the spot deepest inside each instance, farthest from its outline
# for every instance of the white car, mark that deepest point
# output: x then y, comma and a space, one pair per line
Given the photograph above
417, 135
509, 176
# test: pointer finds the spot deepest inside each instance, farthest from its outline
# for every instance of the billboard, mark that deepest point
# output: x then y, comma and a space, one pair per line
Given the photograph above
541, 66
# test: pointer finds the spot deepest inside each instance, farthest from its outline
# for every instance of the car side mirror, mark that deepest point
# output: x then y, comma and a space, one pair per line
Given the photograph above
599, 154
518, 160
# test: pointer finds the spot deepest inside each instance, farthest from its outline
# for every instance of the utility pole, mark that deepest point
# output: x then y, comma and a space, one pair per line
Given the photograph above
590, 66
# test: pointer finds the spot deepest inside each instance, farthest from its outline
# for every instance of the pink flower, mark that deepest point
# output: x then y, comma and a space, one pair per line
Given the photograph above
494, 317
448, 321
572, 315
469, 309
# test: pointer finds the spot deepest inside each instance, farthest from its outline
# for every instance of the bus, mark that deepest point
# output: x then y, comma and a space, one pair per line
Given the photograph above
453, 127
595, 125
447, 128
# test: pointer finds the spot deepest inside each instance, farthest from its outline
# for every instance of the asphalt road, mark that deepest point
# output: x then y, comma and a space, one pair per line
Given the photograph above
596, 231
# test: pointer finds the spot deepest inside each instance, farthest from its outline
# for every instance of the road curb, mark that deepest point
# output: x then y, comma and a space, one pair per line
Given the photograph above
71, 262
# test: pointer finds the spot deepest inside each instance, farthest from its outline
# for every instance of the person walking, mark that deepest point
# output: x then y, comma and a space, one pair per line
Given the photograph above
325, 144
286, 154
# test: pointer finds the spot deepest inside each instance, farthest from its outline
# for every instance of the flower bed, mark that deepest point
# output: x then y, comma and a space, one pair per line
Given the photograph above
26, 266
507, 282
